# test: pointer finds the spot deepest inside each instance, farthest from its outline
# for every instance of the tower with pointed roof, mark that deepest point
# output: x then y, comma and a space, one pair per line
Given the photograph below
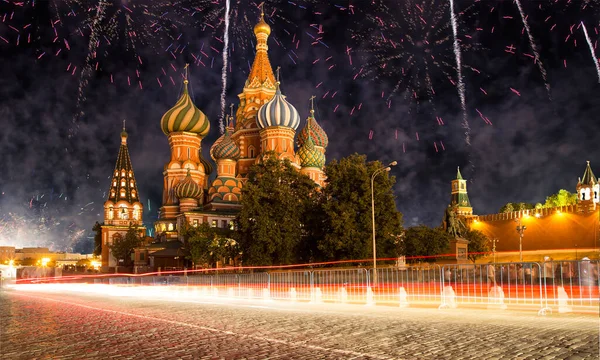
185, 126
312, 143
587, 191
123, 207
459, 195
259, 88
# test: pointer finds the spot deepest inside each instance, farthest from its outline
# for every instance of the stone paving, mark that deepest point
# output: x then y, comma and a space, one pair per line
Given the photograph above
35, 325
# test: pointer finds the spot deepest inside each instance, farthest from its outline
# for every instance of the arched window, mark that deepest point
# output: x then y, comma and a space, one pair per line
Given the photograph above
123, 213
170, 227
130, 173
123, 173
112, 193
122, 182
136, 212
115, 183
122, 192
131, 183
133, 193
111, 213
250, 151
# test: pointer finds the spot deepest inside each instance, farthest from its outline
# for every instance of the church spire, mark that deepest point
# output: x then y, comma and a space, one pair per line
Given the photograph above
261, 73
123, 185
459, 196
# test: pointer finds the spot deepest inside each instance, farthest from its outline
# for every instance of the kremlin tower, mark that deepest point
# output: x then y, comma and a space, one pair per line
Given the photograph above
459, 196
123, 207
587, 191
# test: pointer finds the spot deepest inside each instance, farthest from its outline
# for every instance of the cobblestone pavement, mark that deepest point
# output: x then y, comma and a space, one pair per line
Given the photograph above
36, 325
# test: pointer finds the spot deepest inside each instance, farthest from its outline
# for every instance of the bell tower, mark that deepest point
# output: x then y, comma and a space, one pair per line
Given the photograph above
459, 195
587, 191
123, 207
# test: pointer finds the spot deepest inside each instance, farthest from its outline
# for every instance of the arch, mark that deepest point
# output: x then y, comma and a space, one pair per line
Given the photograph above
123, 212
136, 212
251, 151
111, 212
123, 173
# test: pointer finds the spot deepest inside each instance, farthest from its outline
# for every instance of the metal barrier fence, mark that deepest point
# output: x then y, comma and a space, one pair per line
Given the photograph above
563, 286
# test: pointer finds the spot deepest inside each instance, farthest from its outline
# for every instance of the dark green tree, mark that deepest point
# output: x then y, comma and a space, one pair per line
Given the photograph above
123, 246
97, 238
346, 203
510, 207
198, 243
479, 244
271, 224
561, 198
422, 241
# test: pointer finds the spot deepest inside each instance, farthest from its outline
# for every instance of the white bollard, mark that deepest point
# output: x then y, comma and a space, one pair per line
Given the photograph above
496, 298
563, 301
266, 294
293, 295
403, 297
343, 295
370, 297
316, 296
448, 298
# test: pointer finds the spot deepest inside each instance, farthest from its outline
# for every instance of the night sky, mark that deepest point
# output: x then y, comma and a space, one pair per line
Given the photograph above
384, 73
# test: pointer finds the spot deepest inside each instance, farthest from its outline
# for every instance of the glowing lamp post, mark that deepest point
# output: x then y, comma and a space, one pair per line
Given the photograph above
521, 229
377, 172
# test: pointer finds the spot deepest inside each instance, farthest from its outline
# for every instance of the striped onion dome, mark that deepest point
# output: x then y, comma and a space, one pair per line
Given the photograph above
278, 112
226, 148
185, 116
188, 189
310, 156
315, 130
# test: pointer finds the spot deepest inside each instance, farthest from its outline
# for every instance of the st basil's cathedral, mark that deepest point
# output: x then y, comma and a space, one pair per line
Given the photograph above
264, 122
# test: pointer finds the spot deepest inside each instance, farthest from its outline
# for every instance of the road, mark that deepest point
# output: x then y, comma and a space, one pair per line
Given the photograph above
63, 325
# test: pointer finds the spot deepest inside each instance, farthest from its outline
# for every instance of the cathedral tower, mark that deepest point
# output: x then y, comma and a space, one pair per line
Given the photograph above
123, 207
258, 89
278, 121
587, 191
459, 195
185, 126
312, 139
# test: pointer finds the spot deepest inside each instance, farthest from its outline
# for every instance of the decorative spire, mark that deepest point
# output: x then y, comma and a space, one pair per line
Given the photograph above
185, 76
588, 177
312, 106
123, 185
458, 174
278, 70
261, 73
313, 129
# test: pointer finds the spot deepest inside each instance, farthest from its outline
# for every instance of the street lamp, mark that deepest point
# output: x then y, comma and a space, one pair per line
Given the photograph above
520, 229
377, 172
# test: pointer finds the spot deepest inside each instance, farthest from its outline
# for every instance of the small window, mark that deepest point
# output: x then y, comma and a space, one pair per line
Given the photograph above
462, 186
251, 152
131, 183
214, 223
123, 182
122, 173
115, 183
224, 224
170, 227
142, 257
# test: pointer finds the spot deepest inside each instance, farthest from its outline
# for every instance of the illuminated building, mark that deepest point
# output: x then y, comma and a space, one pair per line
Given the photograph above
123, 208
264, 122
558, 229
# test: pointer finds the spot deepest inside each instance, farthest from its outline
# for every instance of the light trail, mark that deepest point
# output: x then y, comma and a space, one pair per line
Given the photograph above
589, 41
225, 63
461, 85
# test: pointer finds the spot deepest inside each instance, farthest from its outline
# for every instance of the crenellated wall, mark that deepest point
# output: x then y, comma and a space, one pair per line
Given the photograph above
548, 228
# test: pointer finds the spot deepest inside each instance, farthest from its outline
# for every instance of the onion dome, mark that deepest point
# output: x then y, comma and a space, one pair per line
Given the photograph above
208, 168
262, 27
310, 156
315, 130
185, 116
188, 188
226, 149
278, 112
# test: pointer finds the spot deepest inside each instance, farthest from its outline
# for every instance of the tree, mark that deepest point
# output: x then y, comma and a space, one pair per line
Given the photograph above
346, 204
97, 238
478, 244
510, 207
275, 202
561, 198
198, 244
123, 246
423, 241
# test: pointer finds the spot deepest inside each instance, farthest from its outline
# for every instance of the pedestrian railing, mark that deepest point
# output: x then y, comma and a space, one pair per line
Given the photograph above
563, 286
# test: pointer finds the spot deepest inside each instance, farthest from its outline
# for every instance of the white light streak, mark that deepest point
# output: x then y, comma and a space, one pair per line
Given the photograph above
225, 63
461, 85
589, 41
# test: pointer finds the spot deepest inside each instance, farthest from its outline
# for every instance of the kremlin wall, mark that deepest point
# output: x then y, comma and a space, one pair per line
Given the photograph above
568, 229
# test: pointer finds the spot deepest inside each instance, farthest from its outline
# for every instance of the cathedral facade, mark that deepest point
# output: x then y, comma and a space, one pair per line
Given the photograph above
263, 122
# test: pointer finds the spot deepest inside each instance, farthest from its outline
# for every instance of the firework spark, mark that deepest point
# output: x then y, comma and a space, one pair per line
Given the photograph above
589, 41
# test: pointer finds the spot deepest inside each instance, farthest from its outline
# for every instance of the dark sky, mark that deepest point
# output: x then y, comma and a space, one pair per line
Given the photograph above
63, 146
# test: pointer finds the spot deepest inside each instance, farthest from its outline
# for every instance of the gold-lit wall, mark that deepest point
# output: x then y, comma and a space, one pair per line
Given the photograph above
558, 228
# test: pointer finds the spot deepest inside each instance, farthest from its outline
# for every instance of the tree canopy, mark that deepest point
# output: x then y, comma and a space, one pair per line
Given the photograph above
426, 242
510, 207
346, 204
276, 201
478, 244
97, 238
123, 246
561, 198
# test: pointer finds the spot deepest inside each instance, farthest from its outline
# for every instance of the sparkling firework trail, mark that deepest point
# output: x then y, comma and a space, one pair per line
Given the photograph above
461, 85
225, 64
534, 47
87, 70
589, 41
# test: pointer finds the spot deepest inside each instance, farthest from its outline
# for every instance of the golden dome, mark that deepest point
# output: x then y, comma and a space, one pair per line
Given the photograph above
262, 26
